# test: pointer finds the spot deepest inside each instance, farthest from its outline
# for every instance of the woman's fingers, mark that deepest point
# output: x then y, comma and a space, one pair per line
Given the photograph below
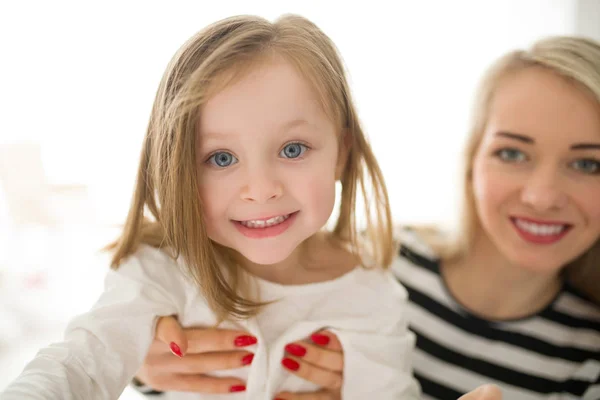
201, 340
317, 355
485, 392
200, 363
319, 360
201, 351
170, 332
320, 395
322, 377
214, 340
326, 340
196, 383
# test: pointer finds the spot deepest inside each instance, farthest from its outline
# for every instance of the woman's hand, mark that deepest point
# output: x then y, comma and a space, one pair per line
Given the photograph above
200, 351
318, 359
485, 392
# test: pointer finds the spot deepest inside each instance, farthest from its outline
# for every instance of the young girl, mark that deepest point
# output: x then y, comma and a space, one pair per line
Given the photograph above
513, 297
252, 126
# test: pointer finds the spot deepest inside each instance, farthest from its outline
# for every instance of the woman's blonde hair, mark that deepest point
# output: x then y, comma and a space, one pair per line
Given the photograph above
575, 59
167, 179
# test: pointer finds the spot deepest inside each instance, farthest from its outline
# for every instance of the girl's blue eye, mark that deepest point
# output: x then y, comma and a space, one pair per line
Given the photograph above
293, 150
222, 159
511, 155
587, 166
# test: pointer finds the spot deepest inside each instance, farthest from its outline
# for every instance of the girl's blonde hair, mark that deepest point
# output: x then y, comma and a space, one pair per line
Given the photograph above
167, 179
575, 59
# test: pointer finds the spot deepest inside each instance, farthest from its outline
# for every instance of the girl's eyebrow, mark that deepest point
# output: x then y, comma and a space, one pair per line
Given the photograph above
294, 123
298, 122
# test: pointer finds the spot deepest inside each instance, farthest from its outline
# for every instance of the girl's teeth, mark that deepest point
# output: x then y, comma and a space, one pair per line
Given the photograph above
540, 229
265, 223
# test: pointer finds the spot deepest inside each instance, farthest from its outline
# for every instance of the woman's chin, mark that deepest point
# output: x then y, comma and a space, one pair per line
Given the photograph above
542, 265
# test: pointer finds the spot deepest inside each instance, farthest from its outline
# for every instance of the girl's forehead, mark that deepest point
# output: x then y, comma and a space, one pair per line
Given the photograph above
268, 94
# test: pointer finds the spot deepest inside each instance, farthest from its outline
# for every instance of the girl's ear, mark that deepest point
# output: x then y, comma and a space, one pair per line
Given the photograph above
343, 152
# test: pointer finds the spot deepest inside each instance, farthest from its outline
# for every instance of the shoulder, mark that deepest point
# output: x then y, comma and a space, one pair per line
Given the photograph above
152, 266
580, 311
414, 253
377, 282
414, 240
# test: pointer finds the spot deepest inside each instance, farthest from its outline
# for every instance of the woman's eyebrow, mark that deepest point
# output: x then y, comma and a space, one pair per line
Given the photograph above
515, 136
586, 146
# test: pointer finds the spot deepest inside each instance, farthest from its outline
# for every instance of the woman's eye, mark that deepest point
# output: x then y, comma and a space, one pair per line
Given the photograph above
293, 150
588, 166
511, 155
222, 159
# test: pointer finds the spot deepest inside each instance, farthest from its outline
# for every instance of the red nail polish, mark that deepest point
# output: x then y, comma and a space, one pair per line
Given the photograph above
247, 359
175, 349
245, 340
290, 364
238, 388
296, 350
320, 339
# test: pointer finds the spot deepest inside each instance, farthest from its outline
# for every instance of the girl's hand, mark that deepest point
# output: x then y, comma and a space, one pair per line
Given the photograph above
200, 351
318, 359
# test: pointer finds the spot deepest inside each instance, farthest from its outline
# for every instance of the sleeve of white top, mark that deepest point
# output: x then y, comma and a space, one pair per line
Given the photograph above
103, 348
378, 357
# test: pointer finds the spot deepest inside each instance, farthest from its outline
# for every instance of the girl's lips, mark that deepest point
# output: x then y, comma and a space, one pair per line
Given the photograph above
256, 232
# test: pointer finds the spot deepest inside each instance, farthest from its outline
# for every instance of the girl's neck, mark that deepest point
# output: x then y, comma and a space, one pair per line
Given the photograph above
317, 259
492, 287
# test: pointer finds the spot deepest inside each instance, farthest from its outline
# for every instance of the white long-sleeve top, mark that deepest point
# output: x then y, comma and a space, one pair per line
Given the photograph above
105, 347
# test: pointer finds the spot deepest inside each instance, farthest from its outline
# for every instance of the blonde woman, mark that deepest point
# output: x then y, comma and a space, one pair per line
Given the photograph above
512, 297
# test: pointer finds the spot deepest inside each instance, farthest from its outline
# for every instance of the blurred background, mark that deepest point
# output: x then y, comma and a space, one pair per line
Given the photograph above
77, 80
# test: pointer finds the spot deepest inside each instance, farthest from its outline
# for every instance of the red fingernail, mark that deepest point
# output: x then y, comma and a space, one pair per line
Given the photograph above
247, 359
320, 339
245, 340
238, 388
290, 364
175, 349
296, 350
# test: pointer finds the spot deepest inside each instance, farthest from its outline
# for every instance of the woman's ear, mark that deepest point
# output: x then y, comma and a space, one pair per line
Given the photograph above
343, 153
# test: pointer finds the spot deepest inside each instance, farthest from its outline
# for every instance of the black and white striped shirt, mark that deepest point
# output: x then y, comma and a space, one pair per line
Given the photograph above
554, 354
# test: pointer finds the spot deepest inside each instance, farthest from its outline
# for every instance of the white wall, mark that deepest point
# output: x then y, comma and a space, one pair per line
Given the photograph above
587, 16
